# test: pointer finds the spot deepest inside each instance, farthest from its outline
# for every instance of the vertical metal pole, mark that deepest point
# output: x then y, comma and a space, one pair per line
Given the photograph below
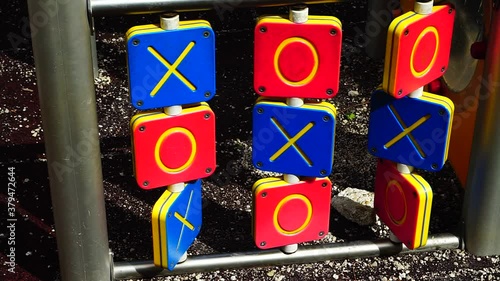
62, 50
482, 197
93, 47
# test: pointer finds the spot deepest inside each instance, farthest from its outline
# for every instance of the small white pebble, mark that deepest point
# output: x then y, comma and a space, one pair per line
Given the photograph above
353, 93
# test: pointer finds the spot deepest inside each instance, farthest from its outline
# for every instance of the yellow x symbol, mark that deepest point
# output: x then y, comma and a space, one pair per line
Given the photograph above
184, 221
407, 130
172, 68
291, 141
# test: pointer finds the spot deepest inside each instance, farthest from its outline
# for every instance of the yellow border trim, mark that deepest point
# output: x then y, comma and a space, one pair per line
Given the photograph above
450, 107
323, 106
159, 231
424, 194
322, 20
154, 28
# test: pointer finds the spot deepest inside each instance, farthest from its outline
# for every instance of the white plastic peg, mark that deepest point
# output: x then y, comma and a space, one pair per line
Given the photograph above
423, 7
169, 21
299, 14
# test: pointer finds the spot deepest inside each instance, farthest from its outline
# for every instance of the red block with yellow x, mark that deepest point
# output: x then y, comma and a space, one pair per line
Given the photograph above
418, 50
403, 202
286, 213
297, 59
173, 149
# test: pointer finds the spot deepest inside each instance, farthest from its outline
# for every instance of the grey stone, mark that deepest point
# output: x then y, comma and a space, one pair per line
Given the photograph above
355, 205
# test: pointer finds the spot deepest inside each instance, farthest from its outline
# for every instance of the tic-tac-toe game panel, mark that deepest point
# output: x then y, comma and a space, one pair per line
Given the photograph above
296, 62
411, 131
286, 139
172, 149
297, 59
403, 202
176, 220
418, 49
276, 184
285, 213
171, 67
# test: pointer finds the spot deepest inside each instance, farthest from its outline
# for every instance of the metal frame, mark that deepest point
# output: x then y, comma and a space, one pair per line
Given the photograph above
126, 7
64, 65
63, 61
481, 207
305, 254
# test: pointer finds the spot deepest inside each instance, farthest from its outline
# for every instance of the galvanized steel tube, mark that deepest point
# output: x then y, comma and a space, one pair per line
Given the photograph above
305, 254
61, 40
123, 7
482, 197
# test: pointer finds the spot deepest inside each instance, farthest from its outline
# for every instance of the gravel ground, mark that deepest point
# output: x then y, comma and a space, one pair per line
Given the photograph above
227, 194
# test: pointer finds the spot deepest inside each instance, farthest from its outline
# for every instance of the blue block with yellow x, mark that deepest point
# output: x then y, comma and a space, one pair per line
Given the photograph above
171, 67
176, 221
294, 140
411, 131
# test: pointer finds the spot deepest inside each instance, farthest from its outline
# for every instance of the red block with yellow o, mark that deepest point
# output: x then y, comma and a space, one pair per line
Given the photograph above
285, 214
297, 59
418, 50
403, 202
173, 149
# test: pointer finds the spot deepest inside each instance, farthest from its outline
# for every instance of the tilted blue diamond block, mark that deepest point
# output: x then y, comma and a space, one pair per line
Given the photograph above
176, 220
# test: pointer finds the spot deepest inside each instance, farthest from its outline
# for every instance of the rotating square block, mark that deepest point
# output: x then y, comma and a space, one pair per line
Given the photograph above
411, 131
286, 213
171, 67
297, 60
176, 221
173, 149
294, 140
403, 202
418, 50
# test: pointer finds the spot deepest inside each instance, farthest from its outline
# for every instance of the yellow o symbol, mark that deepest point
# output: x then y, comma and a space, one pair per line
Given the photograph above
161, 139
285, 200
427, 30
394, 193
279, 52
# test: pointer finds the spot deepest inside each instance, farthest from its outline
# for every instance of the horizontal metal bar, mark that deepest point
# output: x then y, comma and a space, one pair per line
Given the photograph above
124, 7
305, 254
